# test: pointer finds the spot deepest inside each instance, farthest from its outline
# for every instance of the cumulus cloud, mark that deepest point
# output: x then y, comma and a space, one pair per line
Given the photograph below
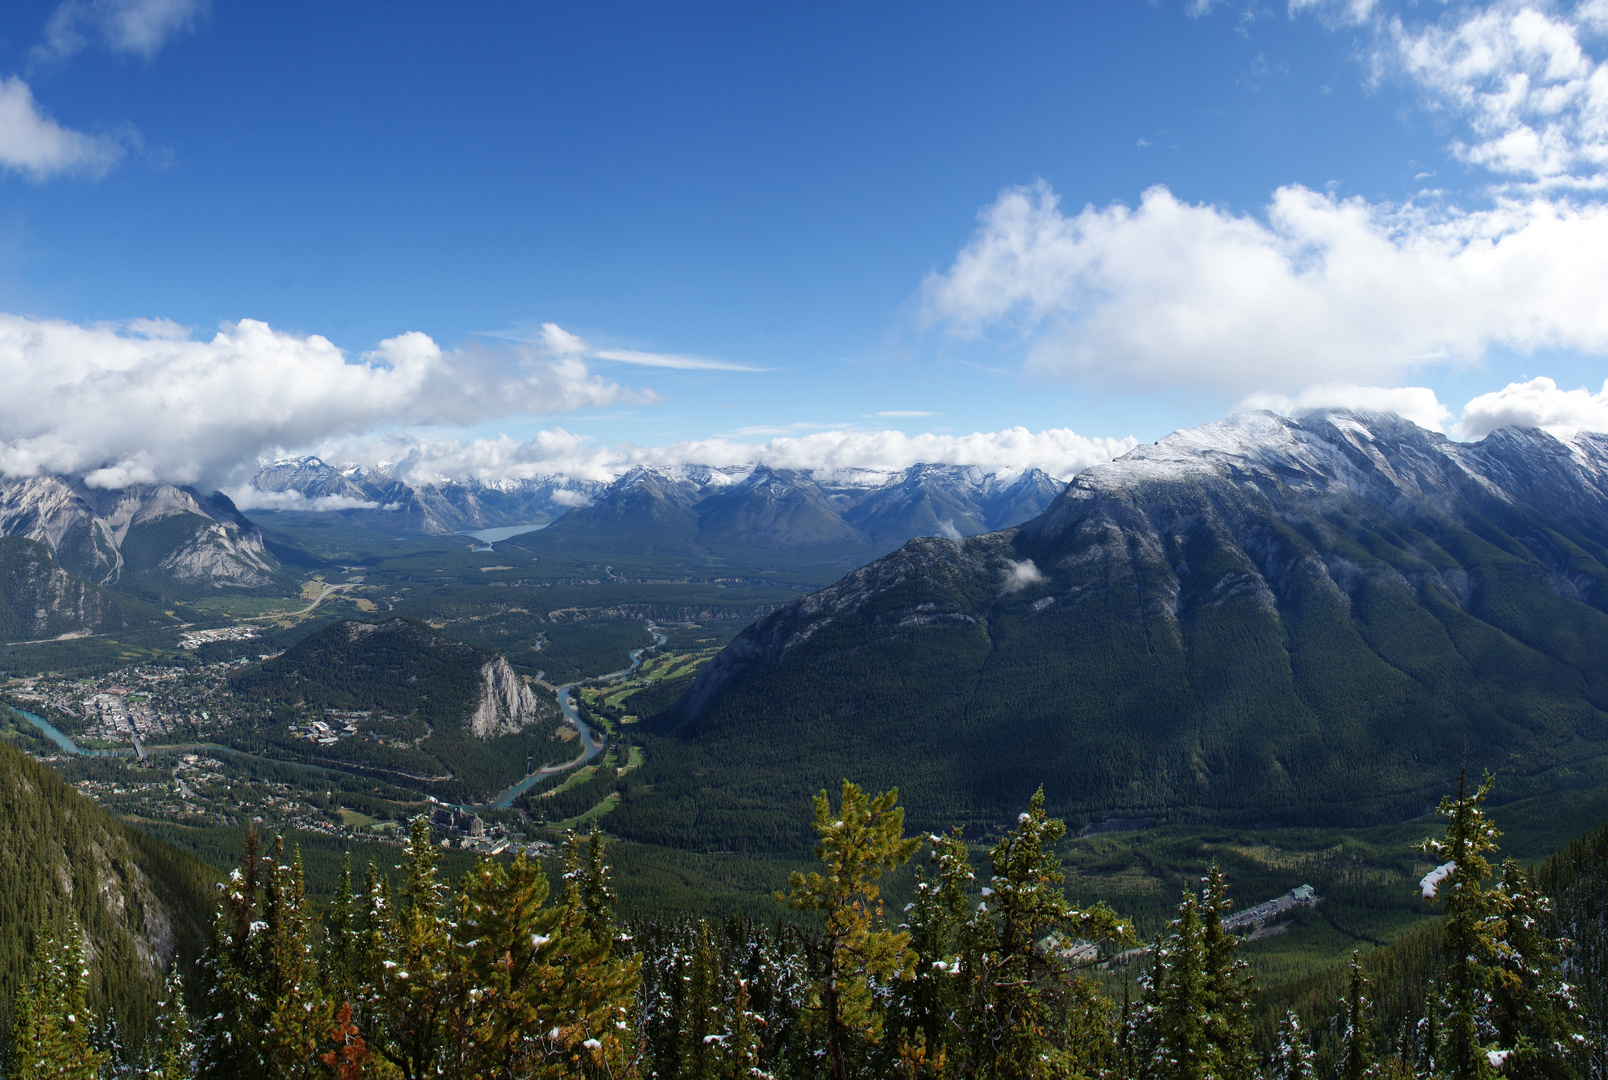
137, 404
1537, 403
39, 148
1060, 452
1416, 403
137, 27
1320, 289
1521, 78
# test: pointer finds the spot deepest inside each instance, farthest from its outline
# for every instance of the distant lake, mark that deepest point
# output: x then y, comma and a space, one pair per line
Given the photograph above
488, 536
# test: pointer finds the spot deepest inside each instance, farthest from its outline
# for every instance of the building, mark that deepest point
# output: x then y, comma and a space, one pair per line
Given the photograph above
457, 822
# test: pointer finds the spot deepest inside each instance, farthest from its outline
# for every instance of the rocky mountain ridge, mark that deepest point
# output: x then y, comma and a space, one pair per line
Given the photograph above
158, 532
684, 502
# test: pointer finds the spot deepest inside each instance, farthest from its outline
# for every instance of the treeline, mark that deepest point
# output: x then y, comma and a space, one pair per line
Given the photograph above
997, 977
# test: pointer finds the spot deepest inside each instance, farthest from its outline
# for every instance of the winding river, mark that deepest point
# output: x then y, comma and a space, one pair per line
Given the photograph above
591, 744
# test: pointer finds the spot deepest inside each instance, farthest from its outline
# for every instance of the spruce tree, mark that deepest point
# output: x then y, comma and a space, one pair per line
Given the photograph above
859, 841
297, 1012
53, 1032
409, 967
1474, 923
1292, 1056
173, 1048
343, 940
1533, 1007
703, 1010
1171, 1032
228, 1032
924, 1007
1027, 937
1358, 1060
1227, 983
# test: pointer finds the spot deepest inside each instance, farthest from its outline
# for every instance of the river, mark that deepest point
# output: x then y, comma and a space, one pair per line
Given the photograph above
591, 746
49, 731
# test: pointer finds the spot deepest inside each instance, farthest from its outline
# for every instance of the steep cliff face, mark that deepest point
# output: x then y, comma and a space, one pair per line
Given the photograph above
139, 902
507, 706
159, 532
38, 599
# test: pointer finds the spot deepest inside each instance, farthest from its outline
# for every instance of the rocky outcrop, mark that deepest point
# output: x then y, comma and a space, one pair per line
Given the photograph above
38, 599
507, 706
160, 530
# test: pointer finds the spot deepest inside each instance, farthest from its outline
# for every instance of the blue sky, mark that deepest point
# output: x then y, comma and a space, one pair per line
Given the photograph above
878, 207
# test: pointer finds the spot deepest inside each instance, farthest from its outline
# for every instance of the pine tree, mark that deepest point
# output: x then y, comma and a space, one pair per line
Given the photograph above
1227, 983
1474, 923
173, 1049
52, 1030
409, 966
1171, 1031
1358, 1061
859, 842
924, 1007
1292, 1056
1026, 933
1533, 1007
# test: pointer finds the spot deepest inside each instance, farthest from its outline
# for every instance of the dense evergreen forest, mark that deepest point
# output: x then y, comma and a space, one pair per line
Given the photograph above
985, 973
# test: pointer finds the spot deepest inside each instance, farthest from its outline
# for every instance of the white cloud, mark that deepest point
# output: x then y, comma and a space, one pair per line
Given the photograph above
1416, 403
1060, 452
123, 406
250, 498
1537, 403
34, 145
139, 27
1321, 290
561, 342
668, 360
1520, 76
1019, 575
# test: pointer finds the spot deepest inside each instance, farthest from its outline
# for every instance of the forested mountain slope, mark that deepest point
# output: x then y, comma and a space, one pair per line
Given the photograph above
138, 901
427, 709
1262, 619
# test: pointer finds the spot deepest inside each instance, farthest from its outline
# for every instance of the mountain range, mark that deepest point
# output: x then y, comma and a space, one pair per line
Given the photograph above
849, 515
680, 508
1259, 620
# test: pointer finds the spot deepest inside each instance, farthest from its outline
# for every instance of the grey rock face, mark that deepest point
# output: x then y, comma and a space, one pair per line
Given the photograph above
507, 706
180, 534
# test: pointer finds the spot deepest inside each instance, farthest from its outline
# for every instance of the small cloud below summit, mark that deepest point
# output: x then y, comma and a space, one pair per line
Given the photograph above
1020, 575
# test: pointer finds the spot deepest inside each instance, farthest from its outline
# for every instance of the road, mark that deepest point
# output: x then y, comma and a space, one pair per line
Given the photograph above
325, 593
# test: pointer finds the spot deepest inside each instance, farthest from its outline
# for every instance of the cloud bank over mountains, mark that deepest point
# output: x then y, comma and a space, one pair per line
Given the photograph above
1060, 452
138, 403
